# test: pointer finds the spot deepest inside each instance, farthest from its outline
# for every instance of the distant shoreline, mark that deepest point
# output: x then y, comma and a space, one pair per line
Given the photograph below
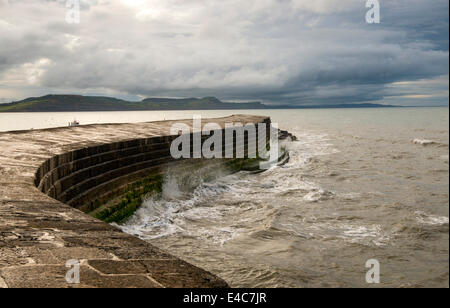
244, 109
295, 108
78, 103
275, 108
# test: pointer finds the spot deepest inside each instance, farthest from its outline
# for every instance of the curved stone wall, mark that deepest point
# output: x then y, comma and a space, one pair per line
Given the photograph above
88, 168
79, 177
89, 178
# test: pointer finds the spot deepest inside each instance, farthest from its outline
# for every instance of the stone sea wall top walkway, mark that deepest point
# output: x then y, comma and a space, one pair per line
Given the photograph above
38, 234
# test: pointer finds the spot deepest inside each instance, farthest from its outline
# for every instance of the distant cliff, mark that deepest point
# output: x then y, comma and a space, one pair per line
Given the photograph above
57, 103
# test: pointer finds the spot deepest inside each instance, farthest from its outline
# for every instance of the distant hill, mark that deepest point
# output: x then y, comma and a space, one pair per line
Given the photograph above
73, 103
55, 103
205, 103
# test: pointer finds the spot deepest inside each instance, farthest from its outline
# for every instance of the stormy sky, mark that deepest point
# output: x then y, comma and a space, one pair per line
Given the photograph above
296, 52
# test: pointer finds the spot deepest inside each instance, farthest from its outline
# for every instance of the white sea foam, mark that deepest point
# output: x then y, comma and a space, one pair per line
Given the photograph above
366, 234
309, 145
176, 211
431, 220
424, 142
369, 235
317, 195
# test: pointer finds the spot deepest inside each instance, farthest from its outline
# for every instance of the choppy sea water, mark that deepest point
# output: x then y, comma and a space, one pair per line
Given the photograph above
361, 184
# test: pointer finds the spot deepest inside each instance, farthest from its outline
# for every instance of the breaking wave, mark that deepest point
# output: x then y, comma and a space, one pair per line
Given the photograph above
428, 142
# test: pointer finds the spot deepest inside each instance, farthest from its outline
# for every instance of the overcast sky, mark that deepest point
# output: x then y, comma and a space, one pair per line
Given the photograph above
274, 51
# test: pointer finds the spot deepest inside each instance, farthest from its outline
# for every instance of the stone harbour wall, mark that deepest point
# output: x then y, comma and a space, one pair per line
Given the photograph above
56, 185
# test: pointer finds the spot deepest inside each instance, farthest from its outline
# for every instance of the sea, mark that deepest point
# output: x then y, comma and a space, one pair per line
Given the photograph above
361, 184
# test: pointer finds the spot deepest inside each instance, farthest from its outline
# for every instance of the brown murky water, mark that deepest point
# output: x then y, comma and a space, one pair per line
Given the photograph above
361, 184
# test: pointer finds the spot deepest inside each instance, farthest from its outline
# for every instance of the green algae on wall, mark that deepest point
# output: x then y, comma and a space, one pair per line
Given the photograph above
132, 199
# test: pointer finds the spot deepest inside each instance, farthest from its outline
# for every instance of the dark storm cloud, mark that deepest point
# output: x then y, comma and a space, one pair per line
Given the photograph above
280, 52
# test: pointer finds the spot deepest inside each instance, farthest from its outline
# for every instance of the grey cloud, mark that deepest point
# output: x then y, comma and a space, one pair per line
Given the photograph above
280, 52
